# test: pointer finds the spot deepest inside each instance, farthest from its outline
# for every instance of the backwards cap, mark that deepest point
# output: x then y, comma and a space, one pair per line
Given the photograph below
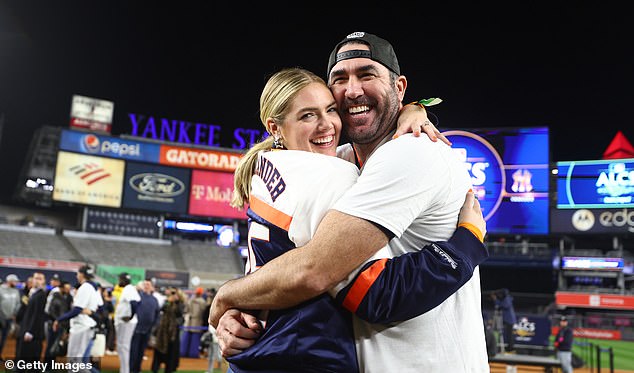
380, 51
87, 271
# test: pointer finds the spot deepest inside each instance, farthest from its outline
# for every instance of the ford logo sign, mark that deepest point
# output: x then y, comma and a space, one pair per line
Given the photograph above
157, 185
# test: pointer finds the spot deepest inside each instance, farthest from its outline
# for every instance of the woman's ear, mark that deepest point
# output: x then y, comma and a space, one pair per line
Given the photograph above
272, 127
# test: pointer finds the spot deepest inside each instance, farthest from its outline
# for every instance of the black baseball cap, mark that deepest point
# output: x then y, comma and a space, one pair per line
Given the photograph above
87, 271
380, 51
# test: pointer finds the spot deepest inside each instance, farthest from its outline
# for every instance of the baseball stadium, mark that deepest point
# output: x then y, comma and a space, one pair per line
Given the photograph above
121, 238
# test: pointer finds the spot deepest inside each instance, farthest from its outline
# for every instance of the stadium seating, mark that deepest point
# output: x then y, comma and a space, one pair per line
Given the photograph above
207, 257
33, 242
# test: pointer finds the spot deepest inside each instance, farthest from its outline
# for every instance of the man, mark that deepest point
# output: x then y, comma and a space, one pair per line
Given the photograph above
563, 345
9, 306
31, 332
60, 303
409, 193
504, 303
194, 326
85, 301
147, 314
54, 284
124, 320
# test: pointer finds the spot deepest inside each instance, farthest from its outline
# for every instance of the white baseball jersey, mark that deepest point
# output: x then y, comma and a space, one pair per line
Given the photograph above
85, 297
303, 198
291, 191
415, 188
124, 309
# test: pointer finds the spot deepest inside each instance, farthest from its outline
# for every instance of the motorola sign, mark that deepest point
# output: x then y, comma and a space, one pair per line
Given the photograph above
612, 221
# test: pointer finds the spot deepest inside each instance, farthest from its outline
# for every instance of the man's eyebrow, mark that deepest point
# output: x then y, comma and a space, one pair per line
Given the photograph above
365, 68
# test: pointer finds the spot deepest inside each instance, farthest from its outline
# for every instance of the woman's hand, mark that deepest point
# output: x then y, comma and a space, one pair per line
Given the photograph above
413, 119
472, 213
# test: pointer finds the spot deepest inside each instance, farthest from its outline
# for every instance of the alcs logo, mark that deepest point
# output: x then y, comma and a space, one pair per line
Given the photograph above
485, 168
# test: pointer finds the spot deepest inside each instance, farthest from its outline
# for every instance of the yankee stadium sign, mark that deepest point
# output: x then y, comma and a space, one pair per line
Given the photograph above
186, 132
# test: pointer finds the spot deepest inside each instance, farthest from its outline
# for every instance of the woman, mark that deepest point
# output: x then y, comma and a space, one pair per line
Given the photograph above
167, 347
288, 193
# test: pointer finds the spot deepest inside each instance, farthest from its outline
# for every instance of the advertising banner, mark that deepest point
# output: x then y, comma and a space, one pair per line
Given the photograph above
111, 273
210, 195
156, 188
595, 184
91, 114
593, 333
532, 330
52, 264
509, 169
209, 280
199, 158
592, 221
586, 300
107, 146
88, 180
168, 278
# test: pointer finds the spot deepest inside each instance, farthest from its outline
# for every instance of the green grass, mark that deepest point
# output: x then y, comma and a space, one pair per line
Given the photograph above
623, 353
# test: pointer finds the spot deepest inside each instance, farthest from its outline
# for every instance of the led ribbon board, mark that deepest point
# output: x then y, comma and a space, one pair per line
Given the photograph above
595, 184
509, 174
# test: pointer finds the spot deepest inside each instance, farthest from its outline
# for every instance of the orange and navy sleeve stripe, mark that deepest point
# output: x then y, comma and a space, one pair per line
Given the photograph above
269, 213
406, 286
362, 284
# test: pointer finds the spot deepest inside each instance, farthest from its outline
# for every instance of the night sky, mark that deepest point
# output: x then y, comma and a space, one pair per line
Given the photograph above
529, 64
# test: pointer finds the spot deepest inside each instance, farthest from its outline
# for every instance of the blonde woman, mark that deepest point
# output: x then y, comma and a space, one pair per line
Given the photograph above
289, 181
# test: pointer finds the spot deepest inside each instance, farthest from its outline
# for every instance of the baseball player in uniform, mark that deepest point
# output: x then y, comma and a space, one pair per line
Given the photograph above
290, 193
81, 330
124, 320
409, 193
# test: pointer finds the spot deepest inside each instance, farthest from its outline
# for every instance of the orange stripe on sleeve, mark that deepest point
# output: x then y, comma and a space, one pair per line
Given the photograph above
362, 284
475, 230
269, 213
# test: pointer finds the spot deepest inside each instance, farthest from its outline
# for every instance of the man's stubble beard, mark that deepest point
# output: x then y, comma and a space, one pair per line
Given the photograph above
383, 123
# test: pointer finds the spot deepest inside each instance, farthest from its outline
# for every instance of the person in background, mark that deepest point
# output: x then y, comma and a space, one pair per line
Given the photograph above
108, 306
210, 293
24, 297
9, 305
86, 299
195, 324
60, 303
54, 284
504, 302
147, 315
159, 294
563, 345
166, 350
31, 333
124, 320
214, 356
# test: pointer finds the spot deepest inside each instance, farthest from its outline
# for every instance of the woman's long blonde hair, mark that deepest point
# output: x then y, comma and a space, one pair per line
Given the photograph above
276, 98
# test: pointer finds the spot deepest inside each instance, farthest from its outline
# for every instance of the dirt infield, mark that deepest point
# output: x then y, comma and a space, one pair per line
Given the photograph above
110, 363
